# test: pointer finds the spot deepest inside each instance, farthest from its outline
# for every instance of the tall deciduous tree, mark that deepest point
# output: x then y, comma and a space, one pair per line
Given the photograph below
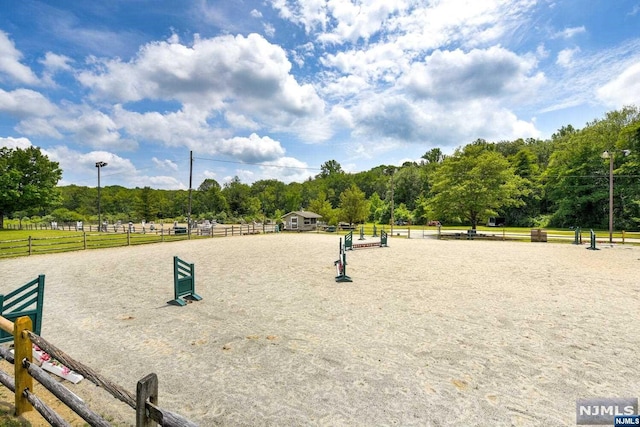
329, 168
409, 183
209, 199
376, 205
423, 212
321, 206
146, 206
526, 166
473, 184
334, 181
237, 195
271, 194
433, 156
354, 207
28, 181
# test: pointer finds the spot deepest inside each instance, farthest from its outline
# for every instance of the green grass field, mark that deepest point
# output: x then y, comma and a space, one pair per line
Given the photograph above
30, 242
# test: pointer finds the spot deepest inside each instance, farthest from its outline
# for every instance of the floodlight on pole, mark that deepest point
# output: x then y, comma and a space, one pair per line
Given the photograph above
99, 165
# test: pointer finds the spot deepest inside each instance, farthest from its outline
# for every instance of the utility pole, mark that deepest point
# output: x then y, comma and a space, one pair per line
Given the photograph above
392, 170
190, 182
609, 155
611, 197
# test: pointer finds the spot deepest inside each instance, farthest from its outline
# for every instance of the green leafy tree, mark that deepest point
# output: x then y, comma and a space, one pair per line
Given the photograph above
208, 199
253, 208
334, 181
526, 166
409, 183
271, 194
354, 207
627, 185
177, 204
65, 215
79, 199
372, 181
322, 207
119, 202
237, 195
577, 178
328, 168
28, 181
164, 204
376, 205
423, 213
402, 214
433, 156
475, 183
146, 204
293, 197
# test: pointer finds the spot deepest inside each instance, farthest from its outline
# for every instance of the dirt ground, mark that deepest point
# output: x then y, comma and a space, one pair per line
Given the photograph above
429, 333
33, 418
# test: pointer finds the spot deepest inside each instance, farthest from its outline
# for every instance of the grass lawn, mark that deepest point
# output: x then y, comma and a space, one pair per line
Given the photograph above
25, 242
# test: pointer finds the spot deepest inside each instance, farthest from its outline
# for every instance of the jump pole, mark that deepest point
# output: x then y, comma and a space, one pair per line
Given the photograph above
341, 266
593, 242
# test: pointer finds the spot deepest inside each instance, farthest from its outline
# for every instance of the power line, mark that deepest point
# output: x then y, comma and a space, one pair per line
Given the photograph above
258, 164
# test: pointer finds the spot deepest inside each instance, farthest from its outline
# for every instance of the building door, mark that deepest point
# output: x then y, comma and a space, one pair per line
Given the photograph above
294, 222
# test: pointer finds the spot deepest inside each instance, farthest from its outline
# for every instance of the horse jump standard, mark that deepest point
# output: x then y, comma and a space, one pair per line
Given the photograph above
349, 245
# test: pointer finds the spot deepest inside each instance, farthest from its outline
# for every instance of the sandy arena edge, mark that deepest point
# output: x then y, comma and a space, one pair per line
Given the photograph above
429, 333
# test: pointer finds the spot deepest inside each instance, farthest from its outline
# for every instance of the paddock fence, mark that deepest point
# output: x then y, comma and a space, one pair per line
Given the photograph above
511, 234
83, 240
144, 402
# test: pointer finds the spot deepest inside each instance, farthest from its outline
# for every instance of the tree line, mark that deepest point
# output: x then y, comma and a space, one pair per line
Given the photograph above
562, 181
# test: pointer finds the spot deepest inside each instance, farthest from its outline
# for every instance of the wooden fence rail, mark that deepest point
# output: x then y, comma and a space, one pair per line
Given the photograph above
144, 402
83, 240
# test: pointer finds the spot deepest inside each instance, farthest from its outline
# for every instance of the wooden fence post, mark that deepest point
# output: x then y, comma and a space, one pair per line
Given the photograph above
128, 237
147, 389
84, 236
29, 245
22, 350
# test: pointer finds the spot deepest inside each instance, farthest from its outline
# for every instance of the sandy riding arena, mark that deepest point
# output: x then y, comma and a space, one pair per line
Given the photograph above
430, 333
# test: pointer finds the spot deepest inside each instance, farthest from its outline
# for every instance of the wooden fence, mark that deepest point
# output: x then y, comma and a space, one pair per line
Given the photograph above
148, 413
83, 240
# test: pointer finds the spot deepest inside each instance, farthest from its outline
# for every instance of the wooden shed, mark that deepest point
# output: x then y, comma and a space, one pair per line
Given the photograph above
301, 221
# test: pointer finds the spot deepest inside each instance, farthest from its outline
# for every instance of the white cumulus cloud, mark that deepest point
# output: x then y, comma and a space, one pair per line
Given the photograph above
622, 90
566, 57
10, 65
11, 142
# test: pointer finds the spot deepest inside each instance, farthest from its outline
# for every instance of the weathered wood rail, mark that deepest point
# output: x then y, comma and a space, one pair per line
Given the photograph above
98, 240
148, 413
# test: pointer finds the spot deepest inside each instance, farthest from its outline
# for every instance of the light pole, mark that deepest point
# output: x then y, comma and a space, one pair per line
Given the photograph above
99, 165
609, 155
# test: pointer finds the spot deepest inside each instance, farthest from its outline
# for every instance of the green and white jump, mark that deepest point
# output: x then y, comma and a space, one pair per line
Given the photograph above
349, 245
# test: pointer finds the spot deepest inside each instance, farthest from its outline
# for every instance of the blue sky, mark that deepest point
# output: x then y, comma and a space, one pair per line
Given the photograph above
272, 89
